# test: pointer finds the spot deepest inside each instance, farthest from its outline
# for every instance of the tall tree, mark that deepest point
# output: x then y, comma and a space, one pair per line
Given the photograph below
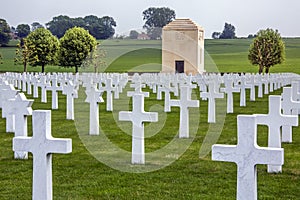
228, 32
133, 34
107, 27
36, 25
59, 25
23, 54
156, 19
75, 46
4, 32
43, 47
267, 50
23, 30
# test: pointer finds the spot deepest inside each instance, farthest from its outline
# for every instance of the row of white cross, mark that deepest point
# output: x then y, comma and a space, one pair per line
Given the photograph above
17, 107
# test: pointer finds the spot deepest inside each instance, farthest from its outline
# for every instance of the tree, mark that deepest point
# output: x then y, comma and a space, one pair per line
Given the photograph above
216, 35
23, 54
95, 59
43, 47
75, 46
228, 32
267, 50
59, 25
4, 32
156, 19
23, 30
36, 25
133, 34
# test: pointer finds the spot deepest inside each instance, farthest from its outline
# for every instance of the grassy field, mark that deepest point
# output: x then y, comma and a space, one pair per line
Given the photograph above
81, 176
145, 56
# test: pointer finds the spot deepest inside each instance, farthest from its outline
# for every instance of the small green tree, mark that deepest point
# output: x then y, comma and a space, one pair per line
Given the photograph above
75, 46
95, 59
43, 48
267, 50
23, 54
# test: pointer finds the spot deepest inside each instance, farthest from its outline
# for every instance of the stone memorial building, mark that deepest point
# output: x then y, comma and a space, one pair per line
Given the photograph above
183, 47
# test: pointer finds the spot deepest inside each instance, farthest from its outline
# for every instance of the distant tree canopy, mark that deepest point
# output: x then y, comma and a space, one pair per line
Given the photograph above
75, 46
100, 28
36, 25
156, 19
133, 34
4, 32
267, 50
43, 47
22, 30
228, 32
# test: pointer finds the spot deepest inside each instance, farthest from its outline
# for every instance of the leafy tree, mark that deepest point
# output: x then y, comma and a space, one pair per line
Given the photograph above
156, 19
75, 46
43, 48
107, 30
95, 59
216, 35
4, 32
228, 32
59, 25
133, 34
23, 30
267, 50
36, 25
23, 54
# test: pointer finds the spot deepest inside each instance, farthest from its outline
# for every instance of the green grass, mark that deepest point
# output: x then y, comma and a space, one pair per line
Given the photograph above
145, 56
81, 176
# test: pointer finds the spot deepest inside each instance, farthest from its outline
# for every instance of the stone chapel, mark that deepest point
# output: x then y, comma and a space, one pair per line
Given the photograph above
183, 47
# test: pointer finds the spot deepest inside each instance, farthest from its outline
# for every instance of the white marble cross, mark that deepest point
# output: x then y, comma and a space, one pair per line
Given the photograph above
184, 103
8, 93
44, 85
275, 120
94, 97
109, 89
138, 116
71, 91
247, 154
211, 95
289, 107
137, 90
42, 145
229, 90
20, 108
54, 88
243, 86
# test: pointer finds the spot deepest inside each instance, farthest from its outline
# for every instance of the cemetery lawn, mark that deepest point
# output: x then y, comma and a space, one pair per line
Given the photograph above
80, 176
145, 56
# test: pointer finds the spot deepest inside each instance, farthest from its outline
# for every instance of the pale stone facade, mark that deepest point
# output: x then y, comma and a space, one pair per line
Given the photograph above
183, 47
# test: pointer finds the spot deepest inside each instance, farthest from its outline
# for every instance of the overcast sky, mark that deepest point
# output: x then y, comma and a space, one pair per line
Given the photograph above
248, 16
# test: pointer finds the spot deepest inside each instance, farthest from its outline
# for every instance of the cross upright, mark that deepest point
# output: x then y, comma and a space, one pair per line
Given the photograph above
54, 88
20, 108
247, 154
243, 86
211, 95
71, 91
137, 89
229, 90
184, 103
289, 107
109, 89
8, 93
138, 116
42, 145
44, 84
275, 120
94, 97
